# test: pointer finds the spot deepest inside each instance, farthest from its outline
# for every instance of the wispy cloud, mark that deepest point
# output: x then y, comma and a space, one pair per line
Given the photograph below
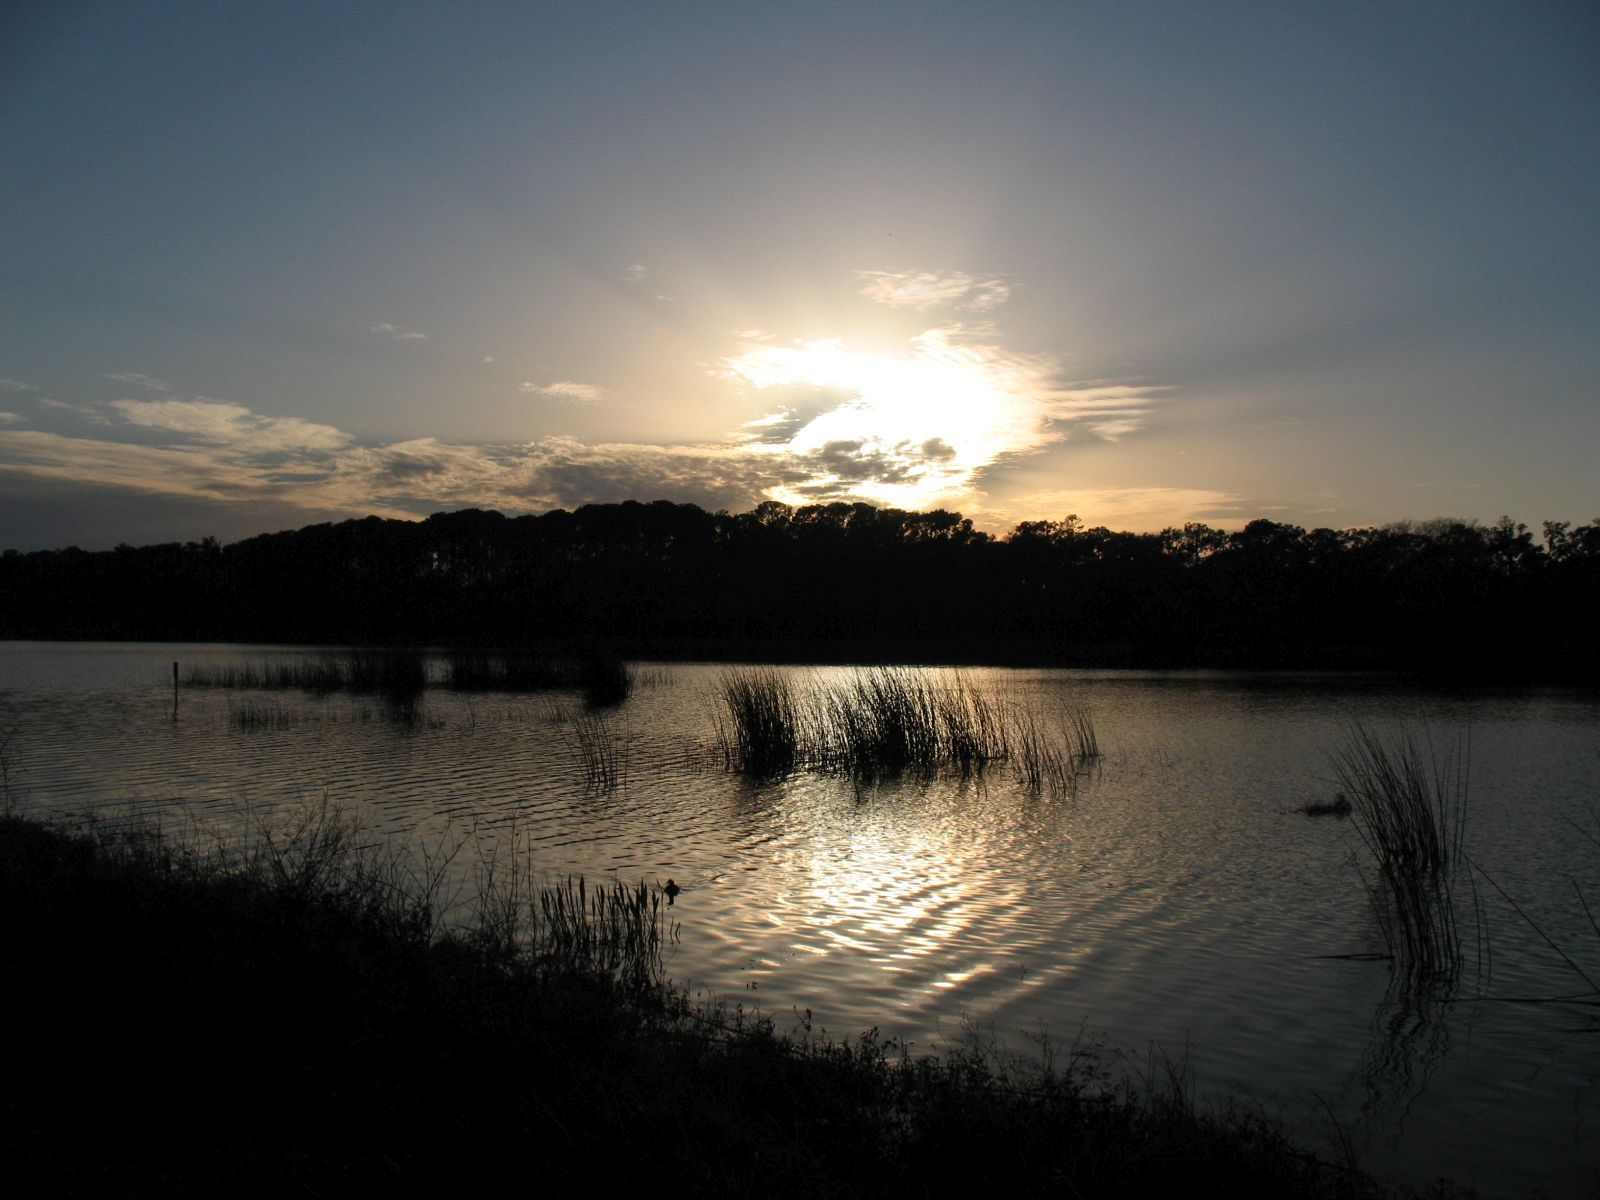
566, 389
232, 425
219, 452
11, 418
82, 410
390, 330
16, 385
925, 290
137, 379
634, 273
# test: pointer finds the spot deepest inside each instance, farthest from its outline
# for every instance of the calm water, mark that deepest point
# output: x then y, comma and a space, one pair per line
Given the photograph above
1177, 900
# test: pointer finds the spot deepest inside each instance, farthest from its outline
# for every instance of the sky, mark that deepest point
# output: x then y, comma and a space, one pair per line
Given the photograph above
1144, 263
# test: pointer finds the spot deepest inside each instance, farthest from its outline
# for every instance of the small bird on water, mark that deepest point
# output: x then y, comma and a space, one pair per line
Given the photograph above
672, 889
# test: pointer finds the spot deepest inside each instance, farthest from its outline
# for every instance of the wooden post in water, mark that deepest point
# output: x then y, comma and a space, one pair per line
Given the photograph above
174, 690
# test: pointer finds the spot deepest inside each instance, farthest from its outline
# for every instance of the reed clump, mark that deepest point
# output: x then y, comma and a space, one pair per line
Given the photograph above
1409, 806
602, 749
891, 722
881, 724
394, 672
762, 735
973, 727
604, 679
1049, 758
1043, 764
614, 930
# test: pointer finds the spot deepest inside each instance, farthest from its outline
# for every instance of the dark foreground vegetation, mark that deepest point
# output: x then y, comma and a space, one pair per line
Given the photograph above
843, 582
294, 1019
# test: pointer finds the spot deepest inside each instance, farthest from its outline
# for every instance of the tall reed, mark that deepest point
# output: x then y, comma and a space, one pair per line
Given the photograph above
1043, 762
1410, 808
612, 930
882, 723
602, 750
886, 722
973, 728
395, 672
762, 734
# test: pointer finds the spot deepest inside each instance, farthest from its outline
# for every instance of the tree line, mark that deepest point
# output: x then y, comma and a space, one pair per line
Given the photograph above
850, 582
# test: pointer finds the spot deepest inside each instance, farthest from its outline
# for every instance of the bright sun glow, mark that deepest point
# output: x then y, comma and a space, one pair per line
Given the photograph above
913, 430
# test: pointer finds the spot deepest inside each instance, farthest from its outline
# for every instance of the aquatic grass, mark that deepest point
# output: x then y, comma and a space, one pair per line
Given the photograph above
759, 732
1082, 742
251, 715
888, 722
973, 728
1410, 809
602, 749
1049, 757
883, 723
604, 679
401, 675
1041, 761
389, 671
611, 930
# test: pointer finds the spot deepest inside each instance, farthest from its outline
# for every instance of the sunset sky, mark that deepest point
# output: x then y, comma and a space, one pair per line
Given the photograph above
265, 265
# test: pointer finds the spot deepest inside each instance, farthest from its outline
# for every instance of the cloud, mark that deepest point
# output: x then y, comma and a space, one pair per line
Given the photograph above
199, 471
232, 425
914, 429
923, 425
634, 273
11, 418
82, 410
568, 390
398, 334
136, 379
16, 385
224, 453
924, 290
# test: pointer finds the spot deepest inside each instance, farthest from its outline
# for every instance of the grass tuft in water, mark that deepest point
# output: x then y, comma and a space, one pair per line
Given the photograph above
762, 734
395, 672
886, 723
602, 749
1410, 808
1043, 763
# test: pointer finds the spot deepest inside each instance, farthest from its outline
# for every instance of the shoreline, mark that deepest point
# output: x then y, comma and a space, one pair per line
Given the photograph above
266, 1018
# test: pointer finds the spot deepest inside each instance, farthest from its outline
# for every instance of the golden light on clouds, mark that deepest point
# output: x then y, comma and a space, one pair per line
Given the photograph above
925, 424
914, 430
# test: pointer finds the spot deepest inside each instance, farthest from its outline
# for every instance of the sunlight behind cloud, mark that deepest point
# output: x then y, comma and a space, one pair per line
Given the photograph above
913, 429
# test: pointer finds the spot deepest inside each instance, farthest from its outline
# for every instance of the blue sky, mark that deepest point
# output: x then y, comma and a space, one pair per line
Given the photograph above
1143, 262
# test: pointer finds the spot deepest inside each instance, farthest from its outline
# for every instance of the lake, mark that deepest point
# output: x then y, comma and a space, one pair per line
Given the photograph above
1174, 898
